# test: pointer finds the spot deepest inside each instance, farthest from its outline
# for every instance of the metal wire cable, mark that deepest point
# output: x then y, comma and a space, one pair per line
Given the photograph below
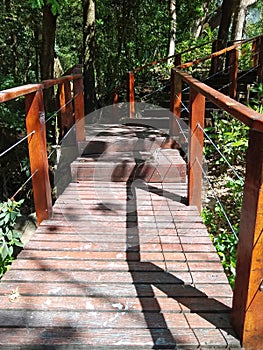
17, 143
217, 199
221, 154
182, 103
60, 109
181, 129
154, 92
60, 142
24, 184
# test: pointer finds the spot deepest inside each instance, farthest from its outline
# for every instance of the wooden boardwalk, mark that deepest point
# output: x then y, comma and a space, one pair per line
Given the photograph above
120, 265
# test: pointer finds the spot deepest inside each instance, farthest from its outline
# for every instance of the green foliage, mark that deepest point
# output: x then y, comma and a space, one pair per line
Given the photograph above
69, 39
230, 136
9, 237
224, 242
19, 43
256, 99
245, 61
56, 5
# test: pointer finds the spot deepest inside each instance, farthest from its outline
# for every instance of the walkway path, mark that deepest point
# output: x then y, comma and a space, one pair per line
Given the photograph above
121, 265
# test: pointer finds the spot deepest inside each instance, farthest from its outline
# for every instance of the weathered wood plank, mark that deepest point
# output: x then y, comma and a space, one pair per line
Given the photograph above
153, 280
107, 338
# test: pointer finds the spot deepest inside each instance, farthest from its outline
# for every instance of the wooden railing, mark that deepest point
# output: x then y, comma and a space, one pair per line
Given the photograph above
232, 58
248, 292
36, 127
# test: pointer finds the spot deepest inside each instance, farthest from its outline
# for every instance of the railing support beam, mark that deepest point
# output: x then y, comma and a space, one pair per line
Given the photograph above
131, 95
260, 60
35, 121
66, 112
175, 102
248, 292
197, 119
233, 70
78, 90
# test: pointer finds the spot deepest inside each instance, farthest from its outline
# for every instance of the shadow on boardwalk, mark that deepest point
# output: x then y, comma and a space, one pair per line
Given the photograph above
175, 288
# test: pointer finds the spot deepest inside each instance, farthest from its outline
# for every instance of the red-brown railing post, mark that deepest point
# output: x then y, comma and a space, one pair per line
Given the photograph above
255, 51
260, 60
79, 109
248, 292
233, 70
35, 121
197, 118
66, 109
177, 59
175, 102
131, 94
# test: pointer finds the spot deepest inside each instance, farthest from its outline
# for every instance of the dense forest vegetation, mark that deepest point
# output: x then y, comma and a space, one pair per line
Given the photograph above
111, 37
41, 39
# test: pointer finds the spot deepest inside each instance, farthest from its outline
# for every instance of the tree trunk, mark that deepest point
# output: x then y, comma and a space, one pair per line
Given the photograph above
89, 54
172, 36
48, 43
239, 19
201, 20
49, 22
224, 28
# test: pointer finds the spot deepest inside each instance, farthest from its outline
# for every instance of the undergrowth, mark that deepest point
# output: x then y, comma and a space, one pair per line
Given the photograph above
231, 138
9, 237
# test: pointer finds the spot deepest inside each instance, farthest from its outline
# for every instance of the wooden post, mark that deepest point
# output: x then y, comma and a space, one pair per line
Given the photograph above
66, 112
131, 95
248, 292
175, 102
197, 117
177, 60
35, 121
255, 51
79, 109
233, 70
260, 60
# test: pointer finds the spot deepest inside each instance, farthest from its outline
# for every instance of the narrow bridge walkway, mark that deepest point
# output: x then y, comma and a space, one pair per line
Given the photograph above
124, 263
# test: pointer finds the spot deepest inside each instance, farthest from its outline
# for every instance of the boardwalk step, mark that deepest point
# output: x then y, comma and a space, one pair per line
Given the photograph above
163, 165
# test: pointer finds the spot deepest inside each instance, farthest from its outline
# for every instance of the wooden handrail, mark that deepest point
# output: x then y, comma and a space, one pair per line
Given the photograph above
213, 56
52, 82
167, 58
18, 91
15, 92
36, 128
248, 293
243, 113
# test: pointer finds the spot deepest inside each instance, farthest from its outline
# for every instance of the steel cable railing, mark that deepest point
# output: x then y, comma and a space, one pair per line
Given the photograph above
217, 199
17, 143
36, 131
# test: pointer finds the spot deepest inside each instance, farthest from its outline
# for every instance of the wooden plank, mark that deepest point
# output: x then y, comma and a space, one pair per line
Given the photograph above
153, 277
104, 338
107, 290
